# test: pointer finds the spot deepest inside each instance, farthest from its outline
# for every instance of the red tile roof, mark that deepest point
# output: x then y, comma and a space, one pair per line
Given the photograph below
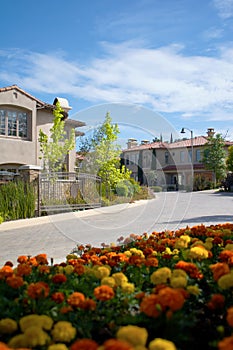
197, 141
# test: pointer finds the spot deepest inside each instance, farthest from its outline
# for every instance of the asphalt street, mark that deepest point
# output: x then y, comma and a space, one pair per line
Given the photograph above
56, 235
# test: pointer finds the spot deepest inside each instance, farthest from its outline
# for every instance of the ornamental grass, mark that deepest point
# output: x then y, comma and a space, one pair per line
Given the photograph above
170, 290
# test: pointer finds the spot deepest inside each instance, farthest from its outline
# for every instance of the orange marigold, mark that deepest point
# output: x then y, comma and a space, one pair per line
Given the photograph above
23, 270
79, 269
171, 298
22, 259
190, 268
38, 290
84, 344
151, 261
76, 299
115, 344
226, 343
219, 269
150, 305
6, 271
15, 281
104, 293
41, 259
88, 304
229, 317
44, 269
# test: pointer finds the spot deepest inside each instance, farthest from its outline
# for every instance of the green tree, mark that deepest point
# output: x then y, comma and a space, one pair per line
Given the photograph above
103, 157
229, 161
214, 157
56, 146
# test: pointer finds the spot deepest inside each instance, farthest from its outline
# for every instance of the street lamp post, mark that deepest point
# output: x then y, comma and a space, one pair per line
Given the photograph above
192, 161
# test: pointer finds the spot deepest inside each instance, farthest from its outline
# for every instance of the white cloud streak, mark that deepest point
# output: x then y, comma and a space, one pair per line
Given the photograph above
224, 7
163, 78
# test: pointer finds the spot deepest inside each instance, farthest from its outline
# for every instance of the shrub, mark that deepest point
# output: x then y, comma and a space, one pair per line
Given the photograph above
156, 188
17, 200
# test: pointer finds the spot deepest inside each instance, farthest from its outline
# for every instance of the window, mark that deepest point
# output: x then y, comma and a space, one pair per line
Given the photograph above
198, 155
166, 157
13, 123
182, 156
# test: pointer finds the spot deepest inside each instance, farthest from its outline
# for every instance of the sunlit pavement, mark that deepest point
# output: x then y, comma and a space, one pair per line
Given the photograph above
57, 235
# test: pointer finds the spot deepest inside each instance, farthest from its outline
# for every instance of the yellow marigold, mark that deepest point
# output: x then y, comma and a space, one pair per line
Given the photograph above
18, 341
226, 281
68, 269
161, 344
198, 253
119, 278
175, 251
8, 326
42, 321
182, 242
128, 253
36, 337
102, 272
208, 245
178, 282
138, 252
194, 290
108, 281
58, 346
179, 273
63, 331
229, 246
161, 275
133, 334
127, 287
167, 251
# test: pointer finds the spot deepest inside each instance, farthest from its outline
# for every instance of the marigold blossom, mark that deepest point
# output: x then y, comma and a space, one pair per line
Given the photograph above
103, 293
84, 344
63, 331
133, 334
8, 326
38, 290
76, 299
161, 344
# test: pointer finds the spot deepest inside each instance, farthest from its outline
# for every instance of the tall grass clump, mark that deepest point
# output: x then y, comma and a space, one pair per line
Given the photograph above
17, 200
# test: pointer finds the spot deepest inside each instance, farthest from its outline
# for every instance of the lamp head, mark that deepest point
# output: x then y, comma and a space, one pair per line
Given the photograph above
182, 131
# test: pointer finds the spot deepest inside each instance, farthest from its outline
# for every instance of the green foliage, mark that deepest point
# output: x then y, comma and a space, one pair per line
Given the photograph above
104, 157
57, 146
229, 160
17, 200
156, 188
214, 156
200, 183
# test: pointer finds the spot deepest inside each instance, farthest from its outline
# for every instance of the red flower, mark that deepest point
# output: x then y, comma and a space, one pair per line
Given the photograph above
59, 278
15, 281
84, 344
58, 297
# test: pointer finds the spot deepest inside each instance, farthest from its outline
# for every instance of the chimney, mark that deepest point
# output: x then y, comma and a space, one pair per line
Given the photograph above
210, 132
131, 143
145, 142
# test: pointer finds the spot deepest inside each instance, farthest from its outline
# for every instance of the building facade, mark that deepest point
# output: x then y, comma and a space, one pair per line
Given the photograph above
171, 165
21, 118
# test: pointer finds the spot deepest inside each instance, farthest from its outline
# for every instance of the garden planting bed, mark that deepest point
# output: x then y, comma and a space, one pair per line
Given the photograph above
163, 291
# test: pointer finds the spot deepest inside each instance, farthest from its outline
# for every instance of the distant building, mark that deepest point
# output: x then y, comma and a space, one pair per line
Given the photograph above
21, 118
168, 164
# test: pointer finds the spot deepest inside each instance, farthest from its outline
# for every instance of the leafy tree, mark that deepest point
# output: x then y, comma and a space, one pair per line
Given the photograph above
56, 146
214, 157
103, 157
229, 161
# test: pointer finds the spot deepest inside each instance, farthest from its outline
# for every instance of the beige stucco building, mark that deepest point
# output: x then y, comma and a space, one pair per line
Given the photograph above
21, 118
170, 165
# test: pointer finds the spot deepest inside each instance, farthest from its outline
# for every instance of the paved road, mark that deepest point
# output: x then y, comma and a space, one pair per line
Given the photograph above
57, 235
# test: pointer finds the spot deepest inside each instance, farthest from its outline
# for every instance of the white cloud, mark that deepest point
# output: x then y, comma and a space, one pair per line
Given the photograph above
163, 78
224, 7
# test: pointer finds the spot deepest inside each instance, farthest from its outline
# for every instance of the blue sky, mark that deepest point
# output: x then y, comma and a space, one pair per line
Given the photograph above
155, 65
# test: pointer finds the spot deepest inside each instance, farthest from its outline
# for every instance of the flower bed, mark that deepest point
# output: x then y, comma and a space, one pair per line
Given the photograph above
166, 291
